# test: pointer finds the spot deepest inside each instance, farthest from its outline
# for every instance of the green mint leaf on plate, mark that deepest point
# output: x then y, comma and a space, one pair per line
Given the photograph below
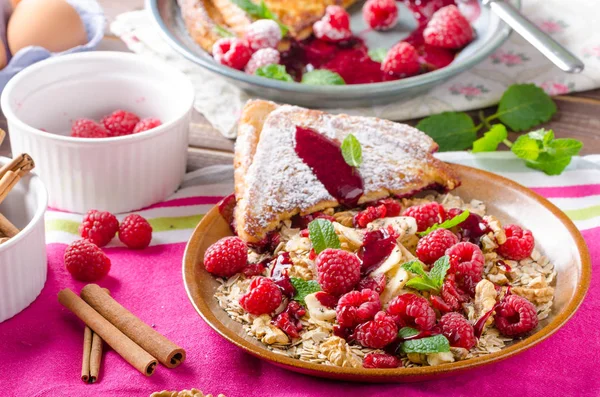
260, 11
439, 270
524, 106
322, 235
490, 140
275, 72
448, 224
431, 281
304, 288
526, 148
422, 284
432, 344
451, 130
352, 151
322, 77
407, 332
221, 31
378, 54
415, 267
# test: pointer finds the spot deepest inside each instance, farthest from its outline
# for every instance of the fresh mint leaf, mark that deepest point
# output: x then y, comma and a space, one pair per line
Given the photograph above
422, 284
549, 164
451, 130
221, 31
526, 148
322, 77
439, 270
449, 224
260, 11
322, 235
564, 147
378, 54
524, 106
491, 139
275, 72
415, 267
352, 151
432, 344
542, 135
407, 332
427, 281
304, 288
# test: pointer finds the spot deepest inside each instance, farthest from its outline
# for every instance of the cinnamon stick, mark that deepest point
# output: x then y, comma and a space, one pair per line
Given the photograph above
3, 240
7, 228
95, 357
2, 135
167, 352
87, 349
12, 172
125, 347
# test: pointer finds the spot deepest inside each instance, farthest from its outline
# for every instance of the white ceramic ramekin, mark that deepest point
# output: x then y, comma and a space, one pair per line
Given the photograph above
23, 261
117, 174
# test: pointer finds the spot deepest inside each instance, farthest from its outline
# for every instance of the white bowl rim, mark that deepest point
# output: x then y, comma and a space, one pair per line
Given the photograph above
101, 56
39, 212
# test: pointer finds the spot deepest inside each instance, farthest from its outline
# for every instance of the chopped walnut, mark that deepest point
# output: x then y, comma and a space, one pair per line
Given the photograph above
345, 218
485, 299
303, 267
459, 353
496, 227
417, 358
440, 358
338, 353
488, 243
182, 393
316, 310
350, 237
537, 296
268, 333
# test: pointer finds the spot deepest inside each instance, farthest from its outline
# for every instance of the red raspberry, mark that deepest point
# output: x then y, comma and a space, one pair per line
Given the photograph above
376, 283
338, 271
377, 333
86, 128
381, 360
452, 296
253, 269
334, 26
434, 245
515, 316
519, 243
99, 227
368, 215
226, 257
85, 261
410, 310
120, 122
263, 297
289, 320
434, 58
135, 232
264, 33
380, 14
392, 207
146, 124
466, 259
458, 330
402, 60
262, 57
448, 28
356, 307
231, 52
426, 215
326, 299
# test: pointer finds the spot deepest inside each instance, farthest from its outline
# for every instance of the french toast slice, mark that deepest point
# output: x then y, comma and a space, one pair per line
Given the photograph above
272, 183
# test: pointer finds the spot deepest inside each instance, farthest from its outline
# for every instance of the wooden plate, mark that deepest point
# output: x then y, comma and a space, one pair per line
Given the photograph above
507, 200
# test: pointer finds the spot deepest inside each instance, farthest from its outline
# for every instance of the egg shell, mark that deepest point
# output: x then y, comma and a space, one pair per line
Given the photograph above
52, 24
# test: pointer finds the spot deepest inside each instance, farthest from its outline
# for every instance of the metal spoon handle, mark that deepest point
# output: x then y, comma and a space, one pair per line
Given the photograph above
552, 50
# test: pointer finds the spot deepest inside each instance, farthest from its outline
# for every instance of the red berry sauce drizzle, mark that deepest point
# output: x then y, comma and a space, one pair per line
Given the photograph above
377, 246
478, 327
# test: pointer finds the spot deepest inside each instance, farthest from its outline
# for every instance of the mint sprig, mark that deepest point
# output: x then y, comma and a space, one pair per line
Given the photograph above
431, 344
451, 130
490, 140
304, 288
448, 224
524, 106
352, 151
407, 332
275, 72
260, 11
221, 31
378, 54
322, 235
431, 281
322, 77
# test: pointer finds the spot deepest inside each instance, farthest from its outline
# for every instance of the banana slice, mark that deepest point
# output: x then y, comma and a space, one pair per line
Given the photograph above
316, 310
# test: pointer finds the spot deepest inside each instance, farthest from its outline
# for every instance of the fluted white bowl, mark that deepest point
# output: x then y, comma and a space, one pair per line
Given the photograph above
118, 174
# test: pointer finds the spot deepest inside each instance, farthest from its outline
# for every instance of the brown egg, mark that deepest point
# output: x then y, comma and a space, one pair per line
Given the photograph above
52, 24
2, 55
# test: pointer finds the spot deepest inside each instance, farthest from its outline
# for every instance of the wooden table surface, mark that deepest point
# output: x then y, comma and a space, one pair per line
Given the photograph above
578, 114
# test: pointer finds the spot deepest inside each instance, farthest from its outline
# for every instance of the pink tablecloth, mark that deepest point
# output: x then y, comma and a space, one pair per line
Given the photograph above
40, 348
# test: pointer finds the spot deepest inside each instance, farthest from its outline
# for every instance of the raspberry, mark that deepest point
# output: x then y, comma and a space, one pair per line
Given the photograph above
226, 257
434, 58
458, 330
368, 215
515, 316
262, 57
289, 320
326, 299
448, 28
99, 227
146, 124
381, 360
264, 33
426, 215
452, 295
402, 60
410, 310
519, 243
466, 259
86, 128
433, 246
231, 52
263, 297
285, 285
392, 207
253, 269
334, 26
356, 307
338, 271
380, 14
120, 122
85, 261
135, 232
376, 283
377, 333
